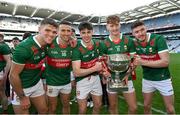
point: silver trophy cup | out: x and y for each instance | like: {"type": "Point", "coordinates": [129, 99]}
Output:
{"type": "Point", "coordinates": [118, 63]}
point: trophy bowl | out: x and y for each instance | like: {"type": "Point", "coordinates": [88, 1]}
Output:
{"type": "Point", "coordinates": [118, 63]}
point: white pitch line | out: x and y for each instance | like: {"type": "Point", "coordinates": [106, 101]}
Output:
{"type": "Point", "coordinates": [152, 108]}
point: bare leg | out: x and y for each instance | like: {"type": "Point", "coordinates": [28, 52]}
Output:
{"type": "Point", "coordinates": [169, 104]}
{"type": "Point", "coordinates": [17, 110]}
{"type": "Point", "coordinates": [82, 106]}
{"type": "Point", "coordinates": [113, 103]}
{"type": "Point", "coordinates": [40, 104]}
{"type": "Point", "coordinates": [52, 101]}
{"type": "Point", "coordinates": [131, 101]}
{"type": "Point", "coordinates": [147, 102]}
{"type": "Point", "coordinates": [65, 99]}
{"type": "Point", "coordinates": [97, 100]}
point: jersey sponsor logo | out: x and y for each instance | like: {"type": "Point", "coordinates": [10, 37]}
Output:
{"type": "Point", "coordinates": [86, 65]}
{"type": "Point", "coordinates": [137, 49]}
{"type": "Point", "coordinates": [59, 63]}
{"type": "Point", "coordinates": [110, 49]}
{"type": "Point", "coordinates": [34, 66]}
{"type": "Point", "coordinates": [91, 54]}
{"type": "Point", "coordinates": [150, 57]}
{"type": "Point", "coordinates": [54, 52]}
{"type": "Point", "coordinates": [37, 57]}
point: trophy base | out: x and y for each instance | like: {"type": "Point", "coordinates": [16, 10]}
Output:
{"type": "Point", "coordinates": [117, 87]}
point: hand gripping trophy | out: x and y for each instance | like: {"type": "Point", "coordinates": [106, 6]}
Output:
{"type": "Point", "coordinates": [120, 64]}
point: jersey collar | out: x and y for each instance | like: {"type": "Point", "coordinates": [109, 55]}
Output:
{"type": "Point", "coordinates": [148, 36]}
{"type": "Point", "coordinates": [87, 46]}
{"type": "Point", "coordinates": [119, 38]}
{"type": "Point", "coordinates": [34, 38]}
{"type": "Point", "coordinates": [61, 45]}
{"type": "Point", "coordinates": [57, 40]}
{"type": "Point", "coordinates": [82, 43]}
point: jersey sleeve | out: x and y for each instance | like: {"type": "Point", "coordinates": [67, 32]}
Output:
{"type": "Point", "coordinates": [161, 45]}
{"type": "Point", "coordinates": [5, 50]}
{"type": "Point", "coordinates": [76, 54]}
{"type": "Point", "coordinates": [132, 49]}
{"type": "Point", "coordinates": [21, 55]}
{"type": "Point", "coordinates": [102, 48]}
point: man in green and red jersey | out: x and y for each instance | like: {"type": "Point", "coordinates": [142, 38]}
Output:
{"type": "Point", "coordinates": [154, 59]}
{"type": "Point", "coordinates": [117, 43]}
{"type": "Point", "coordinates": [15, 42]}
{"type": "Point", "coordinates": [26, 68]}
{"type": "Point", "coordinates": [58, 68]}
{"type": "Point", "coordinates": [5, 63]}
{"type": "Point", "coordinates": [86, 67]}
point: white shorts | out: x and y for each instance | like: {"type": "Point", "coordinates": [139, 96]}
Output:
{"type": "Point", "coordinates": [53, 91]}
{"type": "Point", "coordinates": [130, 88]}
{"type": "Point", "coordinates": [88, 85]}
{"type": "Point", "coordinates": [164, 87]}
{"type": "Point", "coordinates": [33, 91]}
{"type": "Point", "coordinates": [1, 75]}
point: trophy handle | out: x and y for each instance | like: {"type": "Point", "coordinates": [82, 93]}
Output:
{"type": "Point", "coordinates": [129, 71]}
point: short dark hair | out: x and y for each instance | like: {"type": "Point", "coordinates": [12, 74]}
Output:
{"type": "Point", "coordinates": [65, 23]}
{"type": "Point", "coordinates": [26, 35]}
{"type": "Point", "coordinates": [73, 30]}
{"type": "Point", "coordinates": [112, 19]}
{"type": "Point", "coordinates": [85, 25]}
{"type": "Point", "coordinates": [1, 36]}
{"type": "Point", "coordinates": [136, 24]}
{"type": "Point", "coordinates": [15, 38]}
{"type": "Point", "coordinates": [49, 21]}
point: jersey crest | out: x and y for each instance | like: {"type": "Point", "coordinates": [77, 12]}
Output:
{"type": "Point", "coordinates": [152, 42]}
{"type": "Point", "coordinates": [34, 49]}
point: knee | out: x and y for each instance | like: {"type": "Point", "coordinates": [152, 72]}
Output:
{"type": "Point", "coordinates": [82, 110]}
{"type": "Point", "coordinates": [112, 105]}
{"type": "Point", "coordinates": [97, 106]}
{"type": "Point", "coordinates": [51, 109]}
{"type": "Point", "coordinates": [133, 109]}
{"type": "Point", "coordinates": [43, 110]}
{"type": "Point", "coordinates": [113, 109]}
{"type": "Point", "coordinates": [66, 105]}
{"type": "Point", "coordinates": [170, 110]}
{"type": "Point", "coordinates": [147, 106]}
